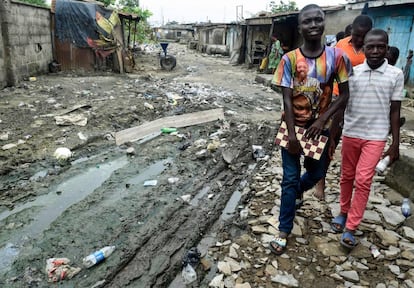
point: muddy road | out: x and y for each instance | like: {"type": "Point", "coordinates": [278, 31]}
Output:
{"type": "Point", "coordinates": [54, 210]}
{"type": "Point", "coordinates": [209, 191]}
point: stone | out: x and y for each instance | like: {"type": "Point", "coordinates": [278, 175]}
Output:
{"type": "Point", "coordinates": [408, 233]}
{"type": "Point", "coordinates": [287, 280]}
{"type": "Point", "coordinates": [408, 254]}
{"type": "Point", "coordinates": [331, 249]}
{"type": "Point", "coordinates": [405, 263]}
{"type": "Point", "coordinates": [224, 267]}
{"type": "Point", "coordinates": [233, 253]}
{"type": "Point", "coordinates": [351, 276]}
{"type": "Point", "coordinates": [392, 218]}
{"type": "Point", "coordinates": [242, 285]}
{"type": "Point", "coordinates": [388, 237]}
{"type": "Point", "coordinates": [372, 217]}
{"type": "Point", "coordinates": [392, 253]}
{"type": "Point", "coordinates": [270, 270]}
{"type": "Point", "coordinates": [394, 269]}
{"type": "Point", "coordinates": [217, 282]}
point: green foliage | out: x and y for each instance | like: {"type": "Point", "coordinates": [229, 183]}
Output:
{"type": "Point", "coordinates": [143, 31]}
{"type": "Point", "coordinates": [36, 2]}
{"type": "Point", "coordinates": [107, 2]}
{"type": "Point", "coordinates": [283, 6]}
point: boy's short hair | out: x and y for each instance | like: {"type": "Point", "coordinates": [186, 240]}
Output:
{"type": "Point", "coordinates": [362, 21]}
{"type": "Point", "coordinates": [392, 55]}
{"type": "Point", "coordinates": [309, 7]}
{"type": "Point", "coordinates": [377, 32]}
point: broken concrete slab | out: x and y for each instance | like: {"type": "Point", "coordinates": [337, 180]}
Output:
{"type": "Point", "coordinates": [139, 132]}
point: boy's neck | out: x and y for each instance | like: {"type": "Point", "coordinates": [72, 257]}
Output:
{"type": "Point", "coordinates": [312, 49]}
{"type": "Point", "coordinates": [375, 66]}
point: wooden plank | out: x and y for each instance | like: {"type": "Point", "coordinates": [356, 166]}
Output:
{"type": "Point", "coordinates": [146, 129]}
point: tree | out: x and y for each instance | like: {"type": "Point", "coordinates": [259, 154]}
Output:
{"type": "Point", "coordinates": [107, 2]}
{"type": "Point", "coordinates": [283, 6]}
{"type": "Point", "coordinates": [143, 31]}
{"type": "Point", "coordinates": [36, 2]}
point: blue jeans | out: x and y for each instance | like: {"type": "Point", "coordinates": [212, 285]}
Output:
{"type": "Point", "coordinates": [293, 184]}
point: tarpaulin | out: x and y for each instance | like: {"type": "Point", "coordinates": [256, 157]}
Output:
{"type": "Point", "coordinates": [76, 22]}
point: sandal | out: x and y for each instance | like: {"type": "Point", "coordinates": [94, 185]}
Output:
{"type": "Point", "coordinates": [278, 245]}
{"type": "Point", "coordinates": [338, 223]}
{"type": "Point", "coordinates": [348, 240]}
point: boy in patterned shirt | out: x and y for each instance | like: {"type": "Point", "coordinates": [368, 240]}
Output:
{"type": "Point", "coordinates": [324, 64]}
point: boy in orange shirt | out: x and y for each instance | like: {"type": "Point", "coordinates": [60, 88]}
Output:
{"type": "Point", "coordinates": [352, 46]}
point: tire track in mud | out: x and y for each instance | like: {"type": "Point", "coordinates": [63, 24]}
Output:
{"type": "Point", "coordinates": [157, 259]}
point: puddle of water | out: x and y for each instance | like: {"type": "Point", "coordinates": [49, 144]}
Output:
{"type": "Point", "coordinates": [39, 175]}
{"type": "Point", "coordinates": [149, 173]}
{"type": "Point", "coordinates": [199, 195]}
{"type": "Point", "coordinates": [231, 205]}
{"type": "Point", "coordinates": [54, 204]}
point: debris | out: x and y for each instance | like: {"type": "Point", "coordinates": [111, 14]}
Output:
{"type": "Point", "coordinates": [74, 119]}
{"type": "Point", "coordinates": [258, 152]}
{"type": "Point", "coordinates": [168, 130]}
{"type": "Point", "coordinates": [173, 180]}
{"type": "Point", "coordinates": [149, 106]}
{"type": "Point", "coordinates": [98, 256]}
{"type": "Point", "coordinates": [62, 154]}
{"type": "Point", "coordinates": [150, 183]}
{"type": "Point", "coordinates": [58, 269]}
{"type": "Point", "coordinates": [189, 274]}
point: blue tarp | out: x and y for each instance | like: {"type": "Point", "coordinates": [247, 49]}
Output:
{"type": "Point", "coordinates": [76, 21]}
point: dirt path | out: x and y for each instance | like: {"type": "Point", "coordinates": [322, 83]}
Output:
{"type": "Point", "coordinates": [49, 210]}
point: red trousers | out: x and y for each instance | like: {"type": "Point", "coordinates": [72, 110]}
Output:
{"type": "Point", "coordinates": [359, 158]}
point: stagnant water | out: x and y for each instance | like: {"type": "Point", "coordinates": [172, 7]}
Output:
{"type": "Point", "coordinates": [46, 208]}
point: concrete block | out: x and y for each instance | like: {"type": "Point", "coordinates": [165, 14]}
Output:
{"type": "Point", "coordinates": [400, 175]}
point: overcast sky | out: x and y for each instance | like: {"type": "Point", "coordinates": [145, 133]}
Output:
{"type": "Point", "coordinates": [188, 11]}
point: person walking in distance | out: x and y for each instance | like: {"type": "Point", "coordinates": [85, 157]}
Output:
{"type": "Point", "coordinates": [323, 63]}
{"type": "Point", "coordinates": [376, 91]}
{"type": "Point", "coordinates": [352, 46]}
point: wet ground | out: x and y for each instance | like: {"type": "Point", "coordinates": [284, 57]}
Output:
{"type": "Point", "coordinates": [205, 176]}
{"type": "Point", "coordinates": [52, 210]}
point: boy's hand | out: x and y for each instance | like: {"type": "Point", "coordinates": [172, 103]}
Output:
{"type": "Point", "coordinates": [331, 148]}
{"type": "Point", "coordinates": [394, 153]}
{"type": "Point", "coordinates": [315, 129]}
{"type": "Point", "coordinates": [294, 146]}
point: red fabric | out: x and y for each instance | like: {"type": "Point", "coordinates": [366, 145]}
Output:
{"type": "Point", "coordinates": [359, 158]}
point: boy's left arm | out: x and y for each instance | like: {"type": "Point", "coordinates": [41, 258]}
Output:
{"type": "Point", "coordinates": [394, 149]}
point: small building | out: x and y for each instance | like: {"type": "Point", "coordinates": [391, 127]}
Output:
{"type": "Point", "coordinates": [88, 36]}
{"type": "Point", "coordinates": [397, 19]}
{"type": "Point", "coordinates": [175, 32]}
{"type": "Point", "coordinates": [285, 26]}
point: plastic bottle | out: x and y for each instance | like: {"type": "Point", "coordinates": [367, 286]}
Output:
{"type": "Point", "coordinates": [98, 256]}
{"type": "Point", "coordinates": [405, 207]}
{"type": "Point", "coordinates": [189, 274]}
{"type": "Point", "coordinates": [168, 130]}
{"type": "Point", "coordinates": [382, 165]}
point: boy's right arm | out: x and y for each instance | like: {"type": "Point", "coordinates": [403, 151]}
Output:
{"type": "Point", "coordinates": [294, 145]}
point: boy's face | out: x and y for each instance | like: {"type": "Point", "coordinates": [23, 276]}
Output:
{"type": "Point", "coordinates": [375, 48]}
{"type": "Point", "coordinates": [312, 24]}
{"type": "Point", "coordinates": [358, 35]}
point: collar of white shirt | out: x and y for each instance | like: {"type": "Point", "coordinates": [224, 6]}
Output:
{"type": "Point", "coordinates": [380, 69]}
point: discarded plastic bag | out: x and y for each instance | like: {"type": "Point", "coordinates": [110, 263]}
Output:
{"type": "Point", "coordinates": [189, 274]}
{"type": "Point", "coordinates": [58, 269]}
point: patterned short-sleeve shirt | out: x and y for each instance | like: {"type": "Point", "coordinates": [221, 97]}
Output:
{"type": "Point", "coordinates": [331, 64]}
